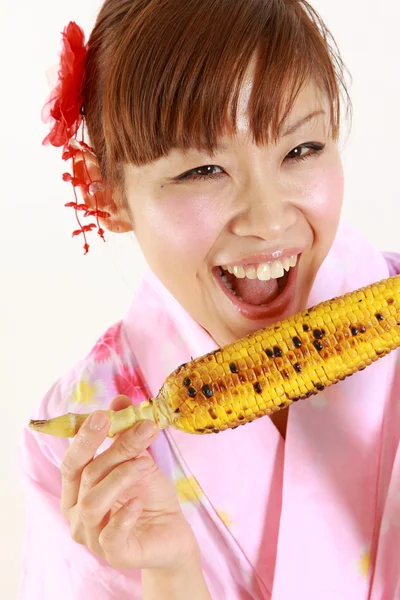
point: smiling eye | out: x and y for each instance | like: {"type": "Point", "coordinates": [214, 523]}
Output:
{"type": "Point", "coordinates": [205, 172]}
{"type": "Point", "coordinates": [299, 153]}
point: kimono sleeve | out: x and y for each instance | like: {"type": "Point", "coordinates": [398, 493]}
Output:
{"type": "Point", "coordinates": [53, 564]}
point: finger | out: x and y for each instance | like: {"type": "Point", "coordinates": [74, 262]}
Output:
{"type": "Point", "coordinates": [131, 444]}
{"type": "Point", "coordinates": [100, 500]}
{"type": "Point", "coordinates": [114, 537]}
{"type": "Point", "coordinates": [81, 451]}
{"type": "Point", "coordinates": [119, 403]}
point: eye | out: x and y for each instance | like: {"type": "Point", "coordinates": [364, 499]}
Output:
{"type": "Point", "coordinates": [205, 172]}
{"type": "Point", "coordinates": [305, 151]}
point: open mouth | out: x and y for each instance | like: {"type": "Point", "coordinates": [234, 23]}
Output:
{"type": "Point", "coordinates": [254, 291]}
{"type": "Point", "coordinates": [260, 292]}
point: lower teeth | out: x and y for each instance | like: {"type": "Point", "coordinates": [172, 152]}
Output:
{"type": "Point", "coordinates": [228, 284]}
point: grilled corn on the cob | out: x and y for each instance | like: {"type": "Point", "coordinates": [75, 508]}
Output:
{"type": "Point", "coordinates": [267, 370]}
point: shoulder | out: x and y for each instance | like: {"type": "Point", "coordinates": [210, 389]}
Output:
{"type": "Point", "coordinates": [393, 261]}
{"type": "Point", "coordinates": [350, 244]}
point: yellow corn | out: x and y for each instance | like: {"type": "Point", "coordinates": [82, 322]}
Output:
{"type": "Point", "coordinates": [267, 370]}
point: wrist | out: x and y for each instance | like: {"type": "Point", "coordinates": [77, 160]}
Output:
{"type": "Point", "coordinates": [177, 582]}
{"type": "Point", "coordinates": [189, 563]}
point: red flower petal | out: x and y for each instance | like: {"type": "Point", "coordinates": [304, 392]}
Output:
{"type": "Point", "coordinates": [89, 227]}
{"type": "Point", "coordinates": [130, 382]}
{"type": "Point", "coordinates": [64, 105]}
{"type": "Point", "coordinates": [109, 344]}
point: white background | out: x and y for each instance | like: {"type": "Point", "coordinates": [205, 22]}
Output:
{"type": "Point", "coordinates": [54, 302]}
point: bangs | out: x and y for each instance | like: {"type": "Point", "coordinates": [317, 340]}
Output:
{"type": "Point", "coordinates": [173, 78]}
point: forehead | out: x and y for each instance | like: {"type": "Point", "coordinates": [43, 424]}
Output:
{"type": "Point", "coordinates": [309, 99]}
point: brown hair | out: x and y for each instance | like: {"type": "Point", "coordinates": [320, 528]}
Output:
{"type": "Point", "coordinates": [165, 74]}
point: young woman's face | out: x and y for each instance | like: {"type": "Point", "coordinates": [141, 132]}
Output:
{"type": "Point", "coordinates": [248, 208]}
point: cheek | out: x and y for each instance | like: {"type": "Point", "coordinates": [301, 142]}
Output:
{"type": "Point", "coordinates": [325, 197]}
{"type": "Point", "coordinates": [180, 228]}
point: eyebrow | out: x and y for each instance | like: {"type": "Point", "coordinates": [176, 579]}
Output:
{"type": "Point", "coordinates": [302, 121]}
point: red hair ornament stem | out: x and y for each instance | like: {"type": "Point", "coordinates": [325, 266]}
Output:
{"type": "Point", "coordinates": [65, 112]}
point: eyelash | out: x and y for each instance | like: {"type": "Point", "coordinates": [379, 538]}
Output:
{"type": "Point", "coordinates": [193, 176]}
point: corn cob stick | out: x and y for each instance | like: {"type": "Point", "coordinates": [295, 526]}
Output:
{"type": "Point", "coordinates": [267, 370]}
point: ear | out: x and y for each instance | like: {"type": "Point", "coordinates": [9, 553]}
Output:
{"type": "Point", "coordinates": [86, 168]}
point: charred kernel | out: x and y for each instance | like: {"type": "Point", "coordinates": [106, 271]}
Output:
{"type": "Point", "coordinates": [241, 417]}
{"type": "Point", "coordinates": [354, 331]}
{"type": "Point", "coordinates": [318, 346]}
{"type": "Point", "coordinates": [207, 391]}
{"type": "Point", "coordinates": [390, 301]}
{"type": "Point", "coordinates": [296, 399]}
{"type": "Point", "coordinates": [177, 410]}
{"type": "Point", "coordinates": [212, 413]}
{"type": "Point", "coordinates": [297, 368]}
{"type": "Point", "coordinates": [192, 392]}
{"type": "Point", "coordinates": [233, 368]}
{"type": "Point", "coordinates": [258, 388]}
{"type": "Point", "coordinates": [362, 329]}
{"type": "Point", "coordinates": [200, 430]}
{"type": "Point", "coordinates": [318, 334]}
{"type": "Point", "coordinates": [297, 342]}
{"type": "Point", "coordinates": [379, 316]}
{"type": "Point", "coordinates": [306, 328]}
{"type": "Point", "coordinates": [319, 387]}
{"type": "Point", "coordinates": [277, 351]}
{"type": "Point", "coordinates": [269, 353]}
{"type": "Point", "coordinates": [323, 331]}
{"type": "Point", "coordinates": [216, 430]}
{"type": "Point", "coordinates": [282, 405]}
{"type": "Point", "coordinates": [285, 374]}
{"type": "Point", "coordinates": [229, 411]}
{"type": "Point", "coordinates": [186, 382]}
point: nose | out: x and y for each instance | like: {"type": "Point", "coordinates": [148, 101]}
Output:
{"type": "Point", "coordinates": [263, 212]}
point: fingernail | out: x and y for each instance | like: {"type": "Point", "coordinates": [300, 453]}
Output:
{"type": "Point", "coordinates": [145, 430]}
{"type": "Point", "coordinates": [97, 421]}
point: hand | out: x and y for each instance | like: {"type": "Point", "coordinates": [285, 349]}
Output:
{"type": "Point", "coordinates": [119, 504]}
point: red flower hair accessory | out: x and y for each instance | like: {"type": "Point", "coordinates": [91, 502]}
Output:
{"type": "Point", "coordinates": [64, 110]}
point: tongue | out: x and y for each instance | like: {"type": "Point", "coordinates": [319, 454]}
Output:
{"type": "Point", "coordinates": [254, 291]}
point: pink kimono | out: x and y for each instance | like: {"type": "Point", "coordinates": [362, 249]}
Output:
{"type": "Point", "coordinates": [315, 517]}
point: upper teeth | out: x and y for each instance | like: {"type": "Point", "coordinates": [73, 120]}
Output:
{"type": "Point", "coordinates": [264, 271]}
